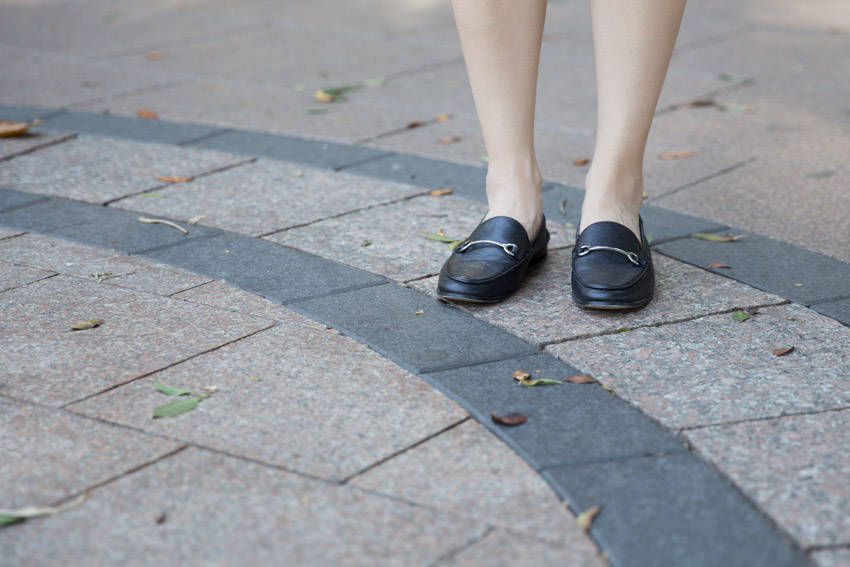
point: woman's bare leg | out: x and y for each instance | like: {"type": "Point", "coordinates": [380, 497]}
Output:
{"type": "Point", "coordinates": [501, 47]}
{"type": "Point", "coordinates": [633, 43]}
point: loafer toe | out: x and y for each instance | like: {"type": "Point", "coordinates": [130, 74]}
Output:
{"type": "Point", "coordinates": [611, 269]}
{"type": "Point", "coordinates": [491, 264]}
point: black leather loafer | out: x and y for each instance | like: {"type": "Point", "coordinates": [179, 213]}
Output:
{"type": "Point", "coordinates": [611, 269]}
{"type": "Point", "coordinates": [490, 265]}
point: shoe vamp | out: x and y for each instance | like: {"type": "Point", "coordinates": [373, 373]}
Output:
{"type": "Point", "coordinates": [607, 273]}
{"type": "Point", "coordinates": [479, 265]}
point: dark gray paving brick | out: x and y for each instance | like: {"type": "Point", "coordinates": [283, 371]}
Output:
{"type": "Point", "coordinates": [44, 214]}
{"type": "Point", "coordinates": [132, 128]}
{"type": "Point", "coordinates": [276, 272]}
{"type": "Point", "coordinates": [311, 152]}
{"type": "Point", "coordinates": [664, 224]}
{"type": "Point", "coordinates": [838, 310]}
{"type": "Point", "coordinates": [385, 317]}
{"type": "Point", "coordinates": [123, 231]}
{"type": "Point", "coordinates": [24, 113]}
{"type": "Point", "coordinates": [10, 199]}
{"type": "Point", "coordinates": [768, 264]}
{"type": "Point", "coordinates": [466, 180]}
{"type": "Point", "coordinates": [553, 198]}
{"type": "Point", "coordinates": [570, 424]}
{"type": "Point", "coordinates": [672, 510]}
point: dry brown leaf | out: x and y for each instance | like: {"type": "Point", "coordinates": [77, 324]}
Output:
{"type": "Point", "coordinates": [174, 178]}
{"type": "Point", "coordinates": [322, 96]}
{"type": "Point", "coordinates": [147, 113]}
{"type": "Point", "coordinates": [165, 222]}
{"type": "Point", "coordinates": [440, 232]}
{"type": "Point", "coordinates": [449, 139]}
{"type": "Point", "coordinates": [582, 379]}
{"type": "Point", "coordinates": [585, 519]}
{"type": "Point", "coordinates": [156, 55]}
{"type": "Point", "coordinates": [415, 123]}
{"type": "Point", "coordinates": [783, 351]}
{"type": "Point", "coordinates": [521, 375]}
{"type": "Point", "coordinates": [719, 265]}
{"type": "Point", "coordinates": [196, 219]}
{"type": "Point", "coordinates": [581, 161]}
{"type": "Point", "coordinates": [440, 193]}
{"type": "Point", "coordinates": [678, 154]}
{"type": "Point", "coordinates": [509, 418]}
{"type": "Point", "coordinates": [9, 128]}
{"type": "Point", "coordinates": [443, 117]}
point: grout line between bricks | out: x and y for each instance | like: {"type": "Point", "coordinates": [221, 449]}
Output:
{"type": "Point", "coordinates": [345, 213]}
{"type": "Point", "coordinates": [555, 342]}
{"type": "Point", "coordinates": [47, 144]}
{"type": "Point", "coordinates": [167, 185]}
{"type": "Point", "coordinates": [684, 430]}
{"type": "Point", "coordinates": [453, 553]}
{"type": "Point", "coordinates": [696, 182]}
{"type": "Point", "coordinates": [403, 450]}
{"type": "Point", "coordinates": [167, 366]}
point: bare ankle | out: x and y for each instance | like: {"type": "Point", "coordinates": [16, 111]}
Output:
{"type": "Point", "coordinates": [516, 194]}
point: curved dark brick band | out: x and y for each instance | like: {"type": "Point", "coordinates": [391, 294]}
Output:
{"type": "Point", "coordinates": [663, 505]}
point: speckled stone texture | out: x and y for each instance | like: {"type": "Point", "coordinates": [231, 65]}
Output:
{"type": "Point", "coordinates": [89, 262]}
{"type": "Point", "coordinates": [543, 312]}
{"type": "Point", "coordinates": [44, 361]}
{"type": "Point", "coordinates": [399, 248]}
{"type": "Point", "coordinates": [9, 233]}
{"type": "Point", "coordinates": [329, 410]}
{"type": "Point", "coordinates": [466, 471]}
{"type": "Point", "coordinates": [793, 191]}
{"type": "Point", "coordinates": [10, 147]}
{"type": "Point", "coordinates": [97, 169]}
{"type": "Point", "coordinates": [221, 296]}
{"type": "Point", "coordinates": [269, 195]}
{"type": "Point", "coordinates": [832, 557]}
{"type": "Point", "coordinates": [217, 510]}
{"type": "Point", "coordinates": [52, 455]}
{"type": "Point", "coordinates": [12, 275]}
{"type": "Point", "coordinates": [714, 369]}
{"type": "Point", "coordinates": [504, 549]}
{"type": "Point", "coordinates": [794, 468]}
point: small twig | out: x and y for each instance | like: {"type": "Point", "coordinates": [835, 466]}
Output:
{"type": "Point", "coordinates": [166, 222]}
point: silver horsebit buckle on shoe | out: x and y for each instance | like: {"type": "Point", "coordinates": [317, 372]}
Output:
{"type": "Point", "coordinates": [633, 258]}
{"type": "Point", "coordinates": [509, 247]}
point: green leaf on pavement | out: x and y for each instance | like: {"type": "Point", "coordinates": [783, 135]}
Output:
{"type": "Point", "coordinates": [374, 82]}
{"type": "Point", "coordinates": [177, 407]}
{"type": "Point", "coordinates": [719, 237]}
{"type": "Point", "coordinates": [9, 520]}
{"type": "Point", "coordinates": [313, 110]}
{"type": "Point", "coordinates": [740, 316]}
{"type": "Point", "coordinates": [441, 238]}
{"type": "Point", "coordinates": [170, 390]}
